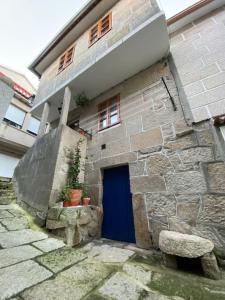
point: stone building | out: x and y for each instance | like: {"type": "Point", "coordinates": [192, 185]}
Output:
{"type": "Point", "coordinates": [18, 128]}
{"type": "Point", "coordinates": [146, 122]}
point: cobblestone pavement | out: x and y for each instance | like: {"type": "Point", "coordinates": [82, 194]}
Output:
{"type": "Point", "coordinates": [36, 266]}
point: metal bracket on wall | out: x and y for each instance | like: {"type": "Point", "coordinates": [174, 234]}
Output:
{"type": "Point", "coordinates": [171, 98]}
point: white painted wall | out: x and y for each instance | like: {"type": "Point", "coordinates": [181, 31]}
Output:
{"type": "Point", "coordinates": [7, 165]}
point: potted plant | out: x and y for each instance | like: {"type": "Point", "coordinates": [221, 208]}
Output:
{"type": "Point", "coordinates": [74, 186]}
{"type": "Point", "coordinates": [82, 100]}
{"type": "Point", "coordinates": [65, 197]}
{"type": "Point", "coordinates": [86, 198]}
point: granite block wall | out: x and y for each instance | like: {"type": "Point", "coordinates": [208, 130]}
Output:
{"type": "Point", "coordinates": [198, 52]}
{"type": "Point", "coordinates": [6, 94]}
{"type": "Point", "coordinates": [176, 170]}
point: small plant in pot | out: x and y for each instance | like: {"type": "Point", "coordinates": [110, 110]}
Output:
{"type": "Point", "coordinates": [75, 188]}
{"type": "Point", "coordinates": [65, 197]}
{"type": "Point", "coordinates": [86, 198]}
{"type": "Point", "coordinates": [82, 100]}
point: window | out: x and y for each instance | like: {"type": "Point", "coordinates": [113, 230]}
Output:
{"type": "Point", "coordinates": [66, 59]}
{"type": "Point", "coordinates": [14, 116]}
{"type": "Point", "coordinates": [103, 26]}
{"type": "Point", "coordinates": [109, 113]}
{"type": "Point", "coordinates": [33, 126]}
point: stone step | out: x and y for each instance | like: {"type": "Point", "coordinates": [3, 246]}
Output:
{"type": "Point", "coordinates": [6, 185]}
{"type": "Point", "coordinates": [6, 200]}
{"type": "Point", "coordinates": [6, 192]}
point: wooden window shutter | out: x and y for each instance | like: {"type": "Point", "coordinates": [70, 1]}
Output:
{"type": "Point", "coordinates": [100, 29]}
{"type": "Point", "coordinates": [66, 59]}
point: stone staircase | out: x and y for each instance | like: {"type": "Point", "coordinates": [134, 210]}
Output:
{"type": "Point", "coordinates": [7, 195]}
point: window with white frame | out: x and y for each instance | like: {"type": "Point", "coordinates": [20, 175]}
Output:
{"type": "Point", "coordinates": [15, 116]}
{"type": "Point", "coordinates": [33, 126]}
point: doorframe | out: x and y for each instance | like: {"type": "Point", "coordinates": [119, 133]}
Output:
{"type": "Point", "coordinates": [141, 224]}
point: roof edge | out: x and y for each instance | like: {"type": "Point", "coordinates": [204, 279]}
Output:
{"type": "Point", "coordinates": [188, 11]}
{"type": "Point", "coordinates": [89, 6]}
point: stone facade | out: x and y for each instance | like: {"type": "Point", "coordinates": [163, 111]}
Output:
{"type": "Point", "coordinates": [201, 46]}
{"type": "Point", "coordinates": [127, 16]}
{"type": "Point", "coordinates": [176, 172]}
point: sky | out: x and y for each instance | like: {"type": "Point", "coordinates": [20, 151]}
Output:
{"type": "Point", "coordinates": [27, 26]}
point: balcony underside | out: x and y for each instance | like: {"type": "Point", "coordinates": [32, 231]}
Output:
{"type": "Point", "coordinates": [139, 50]}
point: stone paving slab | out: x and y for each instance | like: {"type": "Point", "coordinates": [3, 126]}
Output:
{"type": "Point", "coordinates": [121, 285]}
{"type": "Point", "coordinates": [17, 238]}
{"type": "Point", "coordinates": [15, 255]}
{"type": "Point", "coordinates": [17, 278]}
{"type": "Point", "coordinates": [108, 254]}
{"type": "Point", "coordinates": [138, 272]}
{"type": "Point", "coordinates": [48, 245]}
{"type": "Point", "coordinates": [15, 223]}
{"type": "Point", "coordinates": [5, 207]}
{"type": "Point", "coordinates": [61, 258]}
{"type": "Point", "coordinates": [74, 283]}
{"type": "Point", "coordinates": [5, 214]}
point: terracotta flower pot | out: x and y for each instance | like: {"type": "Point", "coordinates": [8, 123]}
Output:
{"type": "Point", "coordinates": [66, 203]}
{"type": "Point", "coordinates": [74, 202]}
{"type": "Point", "coordinates": [86, 201]}
{"type": "Point", "coordinates": [75, 196]}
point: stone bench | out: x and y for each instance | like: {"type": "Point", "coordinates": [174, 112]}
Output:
{"type": "Point", "coordinates": [174, 244]}
{"type": "Point", "coordinates": [78, 224]}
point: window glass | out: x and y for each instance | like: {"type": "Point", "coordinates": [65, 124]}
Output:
{"type": "Point", "coordinates": [109, 113]}
{"type": "Point", "coordinates": [33, 125]}
{"type": "Point", "coordinates": [15, 115]}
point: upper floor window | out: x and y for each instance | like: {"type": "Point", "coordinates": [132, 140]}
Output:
{"type": "Point", "coordinates": [33, 126]}
{"type": "Point", "coordinates": [103, 26]}
{"type": "Point", "coordinates": [109, 113]}
{"type": "Point", "coordinates": [66, 59]}
{"type": "Point", "coordinates": [15, 116]}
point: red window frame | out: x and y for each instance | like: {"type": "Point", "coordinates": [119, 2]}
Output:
{"type": "Point", "coordinates": [102, 27]}
{"type": "Point", "coordinates": [104, 108]}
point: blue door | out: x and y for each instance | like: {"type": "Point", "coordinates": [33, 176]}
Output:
{"type": "Point", "coordinates": [118, 221]}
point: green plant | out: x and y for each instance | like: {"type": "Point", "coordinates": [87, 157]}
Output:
{"type": "Point", "coordinates": [82, 100]}
{"type": "Point", "coordinates": [85, 192]}
{"type": "Point", "coordinates": [75, 168]}
{"type": "Point", "coordinates": [64, 196]}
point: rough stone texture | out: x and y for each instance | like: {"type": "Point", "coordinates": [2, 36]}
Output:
{"type": "Point", "coordinates": [15, 255]}
{"type": "Point", "coordinates": [142, 233]}
{"type": "Point", "coordinates": [145, 184]}
{"type": "Point", "coordinates": [49, 244]}
{"type": "Point", "coordinates": [28, 272]}
{"type": "Point", "coordinates": [5, 214]}
{"type": "Point", "coordinates": [17, 238]}
{"type": "Point", "coordinates": [198, 154]}
{"type": "Point", "coordinates": [146, 139]}
{"type": "Point", "coordinates": [120, 284]}
{"type": "Point", "coordinates": [60, 259]}
{"type": "Point", "coordinates": [80, 223]}
{"type": "Point", "coordinates": [2, 228]}
{"type": "Point", "coordinates": [184, 245]}
{"type": "Point", "coordinates": [161, 204]}
{"type": "Point", "coordinates": [158, 164]}
{"type": "Point", "coordinates": [138, 273]}
{"type": "Point", "coordinates": [73, 283]}
{"type": "Point", "coordinates": [15, 223]}
{"type": "Point", "coordinates": [215, 176]}
{"type": "Point", "coordinates": [212, 210]}
{"type": "Point", "coordinates": [210, 267]}
{"type": "Point", "coordinates": [108, 254]}
{"type": "Point", "coordinates": [186, 183]}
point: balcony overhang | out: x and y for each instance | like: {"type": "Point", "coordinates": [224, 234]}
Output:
{"type": "Point", "coordinates": [143, 47]}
